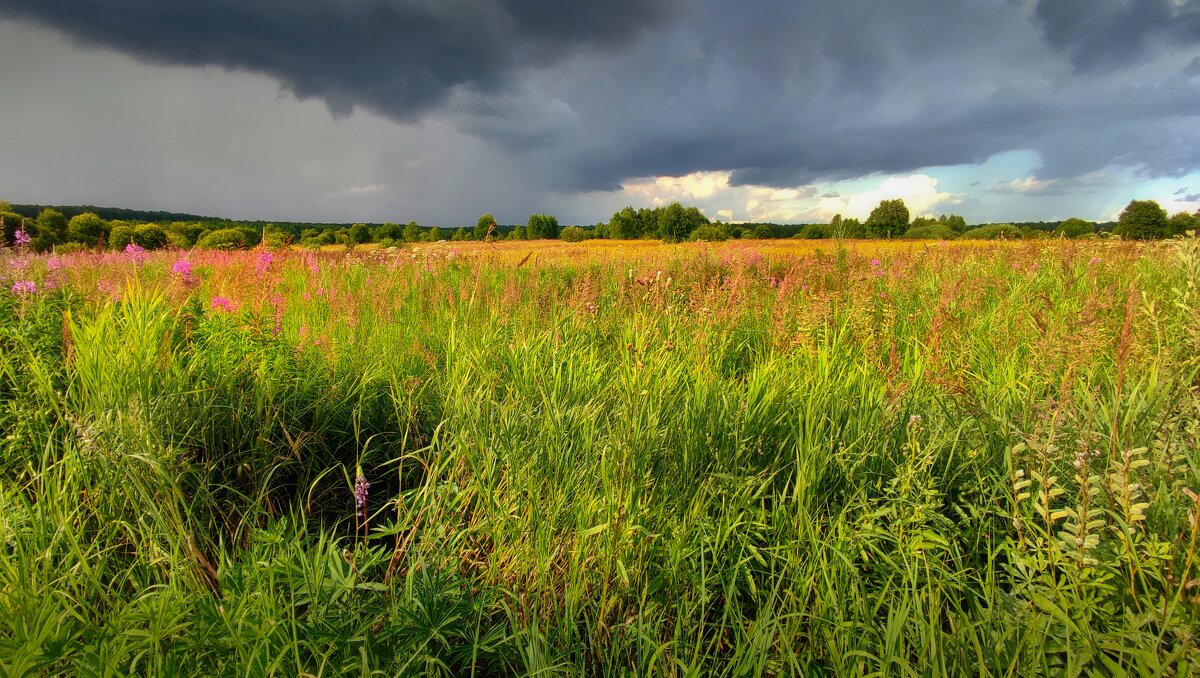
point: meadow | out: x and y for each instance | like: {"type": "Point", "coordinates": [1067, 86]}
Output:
{"type": "Point", "coordinates": [602, 458]}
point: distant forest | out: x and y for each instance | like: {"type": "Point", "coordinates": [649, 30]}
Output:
{"type": "Point", "coordinates": [67, 227]}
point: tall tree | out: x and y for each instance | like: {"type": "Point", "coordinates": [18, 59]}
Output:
{"type": "Point", "coordinates": [623, 225]}
{"type": "Point", "coordinates": [889, 219]}
{"type": "Point", "coordinates": [1143, 220]}
{"type": "Point", "coordinates": [486, 225]}
{"type": "Point", "coordinates": [541, 226]}
{"type": "Point", "coordinates": [358, 234]}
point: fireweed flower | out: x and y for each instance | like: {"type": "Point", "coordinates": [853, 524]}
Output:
{"type": "Point", "coordinates": [1094, 261]}
{"type": "Point", "coordinates": [21, 238]}
{"type": "Point", "coordinates": [136, 253]}
{"type": "Point", "coordinates": [24, 287]}
{"type": "Point", "coordinates": [360, 493]}
{"type": "Point", "coordinates": [54, 263]}
{"type": "Point", "coordinates": [183, 269]}
{"type": "Point", "coordinates": [262, 263]}
{"type": "Point", "coordinates": [221, 304]}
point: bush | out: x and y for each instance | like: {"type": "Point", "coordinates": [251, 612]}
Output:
{"type": "Point", "coordinates": [707, 234]}
{"type": "Point", "coordinates": [120, 236]}
{"type": "Point", "coordinates": [993, 232]}
{"type": "Point", "coordinates": [930, 232]}
{"type": "Point", "coordinates": [813, 232]}
{"type": "Point", "coordinates": [224, 239]}
{"type": "Point", "coordinates": [1075, 228]}
{"type": "Point", "coordinates": [573, 234]}
{"type": "Point", "coordinates": [70, 248]}
{"type": "Point", "coordinates": [277, 240]}
{"type": "Point", "coordinates": [150, 236]}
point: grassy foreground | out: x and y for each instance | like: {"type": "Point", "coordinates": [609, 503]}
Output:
{"type": "Point", "coordinates": [657, 460]}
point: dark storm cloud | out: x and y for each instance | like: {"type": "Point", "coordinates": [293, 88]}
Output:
{"type": "Point", "coordinates": [1105, 34]}
{"type": "Point", "coordinates": [585, 95]}
{"type": "Point", "coordinates": [395, 57]}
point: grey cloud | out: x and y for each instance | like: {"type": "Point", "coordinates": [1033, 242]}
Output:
{"type": "Point", "coordinates": [399, 58]}
{"type": "Point", "coordinates": [579, 96]}
{"type": "Point", "coordinates": [1192, 197]}
{"type": "Point", "coordinates": [1106, 34]}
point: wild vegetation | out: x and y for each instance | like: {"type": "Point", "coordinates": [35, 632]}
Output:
{"type": "Point", "coordinates": [50, 229]}
{"type": "Point", "coordinates": [603, 458]}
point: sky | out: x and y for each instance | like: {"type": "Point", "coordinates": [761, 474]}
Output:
{"type": "Point", "coordinates": [437, 111]}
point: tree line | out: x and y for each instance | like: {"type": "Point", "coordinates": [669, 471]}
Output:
{"type": "Point", "coordinates": [51, 229]}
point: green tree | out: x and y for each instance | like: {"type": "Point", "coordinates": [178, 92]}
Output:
{"type": "Point", "coordinates": [541, 226]}
{"type": "Point", "coordinates": [434, 234]}
{"type": "Point", "coordinates": [573, 234]}
{"type": "Point", "coordinates": [230, 239]}
{"type": "Point", "coordinates": [387, 230]}
{"type": "Point", "coordinates": [992, 232]}
{"type": "Point", "coordinates": [120, 235]}
{"type": "Point", "coordinates": [50, 229]}
{"type": "Point", "coordinates": [954, 222]}
{"type": "Point", "coordinates": [623, 225]}
{"type": "Point", "coordinates": [929, 230]}
{"type": "Point", "coordinates": [813, 232]}
{"type": "Point", "coordinates": [10, 223]}
{"type": "Point", "coordinates": [708, 234]}
{"type": "Point", "coordinates": [1075, 228]}
{"type": "Point", "coordinates": [1182, 222]}
{"type": "Point", "coordinates": [412, 232]}
{"type": "Point", "coordinates": [1143, 220]}
{"type": "Point", "coordinates": [676, 222]}
{"type": "Point", "coordinates": [150, 236]}
{"type": "Point", "coordinates": [518, 233]}
{"type": "Point", "coordinates": [184, 234]}
{"type": "Point", "coordinates": [485, 226]}
{"type": "Point", "coordinates": [88, 229]}
{"type": "Point", "coordinates": [358, 234]}
{"type": "Point", "coordinates": [888, 220]}
{"type": "Point", "coordinates": [841, 227]}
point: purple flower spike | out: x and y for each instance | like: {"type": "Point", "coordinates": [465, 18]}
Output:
{"type": "Point", "coordinates": [360, 493]}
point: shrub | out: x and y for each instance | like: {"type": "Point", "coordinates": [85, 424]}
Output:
{"type": "Point", "coordinates": [813, 232]}
{"type": "Point", "coordinates": [993, 232]}
{"type": "Point", "coordinates": [573, 234]}
{"type": "Point", "coordinates": [933, 231]}
{"type": "Point", "coordinates": [70, 248]}
{"type": "Point", "coordinates": [150, 236]}
{"type": "Point", "coordinates": [224, 239]}
{"type": "Point", "coordinates": [707, 234]}
{"type": "Point", "coordinates": [120, 236]}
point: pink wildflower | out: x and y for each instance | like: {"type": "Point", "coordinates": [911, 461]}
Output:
{"type": "Point", "coordinates": [221, 304]}
{"type": "Point", "coordinates": [136, 252]}
{"type": "Point", "coordinates": [262, 263]}
{"type": "Point", "coordinates": [24, 287]}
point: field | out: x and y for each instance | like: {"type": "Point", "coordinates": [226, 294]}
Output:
{"type": "Point", "coordinates": [753, 458]}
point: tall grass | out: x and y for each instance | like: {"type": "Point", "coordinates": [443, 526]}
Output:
{"type": "Point", "coordinates": [909, 460]}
